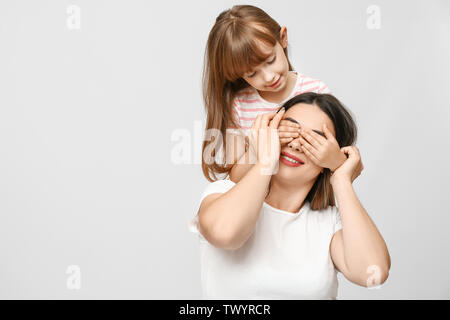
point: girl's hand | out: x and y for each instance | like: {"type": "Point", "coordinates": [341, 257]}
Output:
{"type": "Point", "coordinates": [351, 168]}
{"type": "Point", "coordinates": [323, 151]}
{"type": "Point", "coordinates": [288, 131]}
{"type": "Point", "coordinates": [264, 142]}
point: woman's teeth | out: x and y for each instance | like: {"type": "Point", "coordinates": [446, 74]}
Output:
{"type": "Point", "coordinates": [289, 159]}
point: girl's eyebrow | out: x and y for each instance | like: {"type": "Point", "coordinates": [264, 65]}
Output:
{"type": "Point", "coordinates": [316, 131]}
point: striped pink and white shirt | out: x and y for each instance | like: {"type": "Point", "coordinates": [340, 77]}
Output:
{"type": "Point", "coordinates": [248, 104]}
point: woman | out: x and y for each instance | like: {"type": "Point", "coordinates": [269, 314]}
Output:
{"type": "Point", "coordinates": [277, 234]}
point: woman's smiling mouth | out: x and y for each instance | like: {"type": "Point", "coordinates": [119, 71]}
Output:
{"type": "Point", "coordinates": [290, 160]}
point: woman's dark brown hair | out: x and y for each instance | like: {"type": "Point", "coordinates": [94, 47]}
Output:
{"type": "Point", "coordinates": [321, 194]}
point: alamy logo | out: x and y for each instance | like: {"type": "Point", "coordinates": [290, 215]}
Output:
{"type": "Point", "coordinates": [374, 20]}
{"type": "Point", "coordinates": [74, 279]}
{"type": "Point", "coordinates": [74, 17]}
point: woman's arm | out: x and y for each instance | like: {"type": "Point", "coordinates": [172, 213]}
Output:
{"type": "Point", "coordinates": [363, 247]}
{"type": "Point", "coordinates": [228, 220]}
{"type": "Point", "coordinates": [360, 250]}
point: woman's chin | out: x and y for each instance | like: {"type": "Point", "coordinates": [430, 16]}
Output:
{"type": "Point", "coordinates": [287, 173]}
{"type": "Point", "coordinates": [300, 174]}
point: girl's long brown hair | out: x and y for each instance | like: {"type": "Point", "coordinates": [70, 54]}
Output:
{"type": "Point", "coordinates": [233, 48]}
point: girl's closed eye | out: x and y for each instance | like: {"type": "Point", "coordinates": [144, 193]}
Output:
{"type": "Point", "coordinates": [273, 60]}
{"type": "Point", "coordinates": [270, 62]}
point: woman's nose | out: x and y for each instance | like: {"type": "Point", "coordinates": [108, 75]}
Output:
{"type": "Point", "coordinates": [295, 145]}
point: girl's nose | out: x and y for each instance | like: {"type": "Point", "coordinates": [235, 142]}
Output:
{"type": "Point", "coordinates": [269, 77]}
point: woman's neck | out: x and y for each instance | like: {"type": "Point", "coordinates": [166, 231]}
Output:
{"type": "Point", "coordinates": [287, 197]}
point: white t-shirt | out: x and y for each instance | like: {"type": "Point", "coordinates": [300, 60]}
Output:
{"type": "Point", "coordinates": [286, 257]}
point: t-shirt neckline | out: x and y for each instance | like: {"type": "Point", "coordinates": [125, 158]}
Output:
{"type": "Point", "coordinates": [301, 211]}
{"type": "Point", "coordinates": [288, 97]}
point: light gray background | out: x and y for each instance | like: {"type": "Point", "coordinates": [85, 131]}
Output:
{"type": "Point", "coordinates": [87, 116]}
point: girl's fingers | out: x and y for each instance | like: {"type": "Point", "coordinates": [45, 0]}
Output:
{"type": "Point", "coordinates": [321, 139]}
{"type": "Point", "coordinates": [285, 140]}
{"type": "Point", "coordinates": [289, 124]}
{"type": "Point", "coordinates": [306, 149]}
{"type": "Point", "coordinates": [306, 143]}
{"type": "Point", "coordinates": [266, 118]}
{"type": "Point", "coordinates": [276, 119]}
{"type": "Point", "coordinates": [254, 132]}
{"type": "Point", "coordinates": [313, 141]}
{"type": "Point", "coordinates": [288, 134]}
{"type": "Point", "coordinates": [328, 133]}
{"type": "Point", "coordinates": [257, 122]}
{"type": "Point", "coordinates": [283, 127]}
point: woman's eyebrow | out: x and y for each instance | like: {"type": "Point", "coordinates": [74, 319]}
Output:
{"type": "Point", "coordinates": [290, 119]}
{"type": "Point", "coordinates": [316, 131]}
{"type": "Point", "coordinates": [319, 132]}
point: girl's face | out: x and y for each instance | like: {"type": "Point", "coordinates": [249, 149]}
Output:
{"type": "Point", "coordinates": [307, 116]}
{"type": "Point", "coordinates": [274, 70]}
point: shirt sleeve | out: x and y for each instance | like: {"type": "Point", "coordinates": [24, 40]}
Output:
{"type": "Point", "coordinates": [323, 88]}
{"type": "Point", "coordinates": [219, 186]}
{"type": "Point", "coordinates": [337, 220]}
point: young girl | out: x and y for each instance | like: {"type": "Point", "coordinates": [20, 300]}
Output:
{"type": "Point", "coordinates": [247, 73]}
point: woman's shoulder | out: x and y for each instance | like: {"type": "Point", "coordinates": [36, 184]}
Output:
{"type": "Point", "coordinates": [221, 183]}
{"type": "Point", "coordinates": [218, 186]}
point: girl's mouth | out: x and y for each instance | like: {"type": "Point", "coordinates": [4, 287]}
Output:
{"type": "Point", "coordinates": [276, 83]}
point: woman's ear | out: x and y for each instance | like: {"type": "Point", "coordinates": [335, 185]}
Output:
{"type": "Point", "coordinates": [283, 37]}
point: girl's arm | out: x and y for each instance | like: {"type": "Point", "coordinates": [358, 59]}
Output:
{"type": "Point", "coordinates": [237, 154]}
{"type": "Point", "coordinates": [240, 168]}
{"type": "Point", "coordinates": [228, 220]}
{"type": "Point", "coordinates": [360, 250]}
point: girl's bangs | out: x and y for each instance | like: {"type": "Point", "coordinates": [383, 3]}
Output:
{"type": "Point", "coordinates": [245, 53]}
